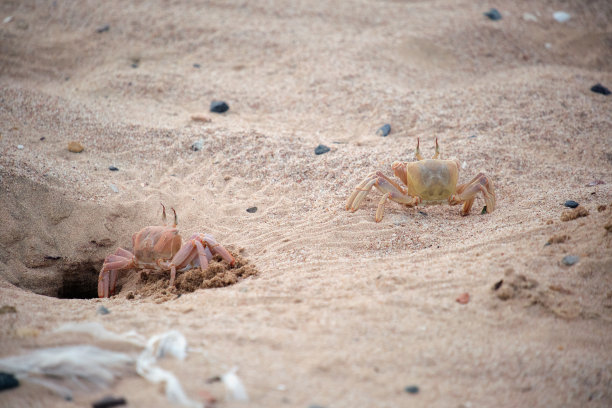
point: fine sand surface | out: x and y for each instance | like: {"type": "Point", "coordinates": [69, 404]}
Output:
{"type": "Point", "coordinates": [332, 308]}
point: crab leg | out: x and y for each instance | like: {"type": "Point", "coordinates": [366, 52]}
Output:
{"type": "Point", "coordinates": [202, 255]}
{"type": "Point", "coordinates": [180, 259]}
{"type": "Point", "coordinates": [391, 190]}
{"type": "Point", "coordinates": [466, 193]}
{"type": "Point", "coordinates": [121, 259]}
{"type": "Point", "coordinates": [217, 248]}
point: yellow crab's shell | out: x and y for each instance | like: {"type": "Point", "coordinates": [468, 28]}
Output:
{"type": "Point", "coordinates": [433, 180]}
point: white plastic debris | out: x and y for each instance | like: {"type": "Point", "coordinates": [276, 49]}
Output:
{"type": "Point", "coordinates": [20, 147]}
{"type": "Point", "coordinates": [114, 188]}
{"type": "Point", "coordinates": [82, 366]}
{"type": "Point", "coordinates": [170, 343]}
{"type": "Point", "coordinates": [7, 19]}
{"type": "Point", "coordinates": [234, 387]}
{"type": "Point", "coordinates": [98, 331]}
{"type": "Point", "coordinates": [561, 16]}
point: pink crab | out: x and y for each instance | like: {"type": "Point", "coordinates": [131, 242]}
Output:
{"type": "Point", "coordinates": [160, 248]}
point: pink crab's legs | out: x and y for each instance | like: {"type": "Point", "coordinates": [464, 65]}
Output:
{"type": "Point", "coordinates": [217, 248]}
{"type": "Point", "coordinates": [121, 259]}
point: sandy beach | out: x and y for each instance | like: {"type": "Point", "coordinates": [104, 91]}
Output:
{"type": "Point", "coordinates": [326, 308]}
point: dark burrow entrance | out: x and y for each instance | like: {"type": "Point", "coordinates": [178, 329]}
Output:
{"type": "Point", "coordinates": [80, 280]}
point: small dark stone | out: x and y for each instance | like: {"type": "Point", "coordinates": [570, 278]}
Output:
{"type": "Point", "coordinates": [321, 149]}
{"type": "Point", "coordinates": [134, 65]}
{"type": "Point", "coordinates": [197, 145]}
{"type": "Point", "coordinates": [8, 381]}
{"type": "Point", "coordinates": [218, 107]}
{"type": "Point", "coordinates": [251, 209]}
{"type": "Point", "coordinates": [113, 168]}
{"type": "Point", "coordinates": [569, 260]}
{"type": "Point", "coordinates": [315, 406]}
{"type": "Point", "coordinates": [472, 137]}
{"type": "Point", "coordinates": [108, 402]}
{"type": "Point", "coordinates": [571, 204]}
{"type": "Point", "coordinates": [493, 14]}
{"type": "Point", "coordinates": [42, 138]}
{"type": "Point", "coordinates": [103, 29]}
{"type": "Point", "coordinates": [103, 311]}
{"type": "Point", "coordinates": [196, 65]}
{"type": "Point", "coordinates": [412, 389]}
{"type": "Point", "coordinates": [384, 130]}
{"type": "Point", "coordinates": [484, 210]}
{"type": "Point", "coordinates": [423, 213]}
{"type": "Point", "coordinates": [599, 88]}
{"type": "Point", "coordinates": [498, 284]}
{"type": "Point", "coordinates": [52, 257]}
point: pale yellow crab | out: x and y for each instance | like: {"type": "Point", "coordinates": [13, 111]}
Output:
{"type": "Point", "coordinates": [427, 181]}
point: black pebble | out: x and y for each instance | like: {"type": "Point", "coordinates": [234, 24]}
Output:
{"type": "Point", "coordinates": [113, 168]}
{"type": "Point", "coordinates": [52, 257]}
{"type": "Point", "coordinates": [571, 204]}
{"type": "Point", "coordinates": [134, 65]}
{"type": "Point", "coordinates": [103, 311]}
{"type": "Point", "coordinates": [321, 149]}
{"type": "Point", "coordinates": [599, 88]}
{"type": "Point", "coordinates": [108, 402]}
{"type": "Point", "coordinates": [384, 130]}
{"type": "Point", "coordinates": [412, 389]}
{"type": "Point", "coordinates": [218, 107]}
{"type": "Point", "coordinates": [423, 213]}
{"type": "Point", "coordinates": [251, 209]}
{"type": "Point", "coordinates": [498, 284]}
{"type": "Point", "coordinates": [8, 381]}
{"type": "Point", "coordinates": [196, 65]}
{"type": "Point", "coordinates": [42, 138]}
{"type": "Point", "coordinates": [493, 14]}
{"type": "Point", "coordinates": [103, 29]}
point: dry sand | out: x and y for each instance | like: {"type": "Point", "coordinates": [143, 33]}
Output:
{"type": "Point", "coordinates": [343, 311]}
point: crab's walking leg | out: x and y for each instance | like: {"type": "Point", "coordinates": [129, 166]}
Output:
{"type": "Point", "coordinates": [187, 252]}
{"type": "Point", "coordinates": [121, 259]}
{"type": "Point", "coordinates": [217, 248]}
{"type": "Point", "coordinates": [391, 190]}
{"type": "Point", "coordinates": [466, 193]}
{"type": "Point", "coordinates": [202, 255]}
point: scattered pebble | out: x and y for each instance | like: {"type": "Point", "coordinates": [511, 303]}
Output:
{"type": "Point", "coordinates": [384, 130]}
{"type": "Point", "coordinates": [571, 204]}
{"type": "Point", "coordinates": [197, 65]}
{"type": "Point", "coordinates": [595, 183]}
{"type": "Point", "coordinates": [8, 381]}
{"type": "Point", "coordinates": [42, 138]}
{"type": "Point", "coordinates": [103, 29]}
{"type": "Point", "coordinates": [484, 210]}
{"type": "Point", "coordinates": [130, 295]}
{"type": "Point", "coordinates": [114, 188]}
{"type": "Point", "coordinates": [575, 213]}
{"type": "Point", "coordinates": [251, 210]}
{"type": "Point", "coordinates": [493, 14]}
{"type": "Point", "coordinates": [463, 299]}
{"type": "Point", "coordinates": [599, 88]}
{"type": "Point", "coordinates": [218, 106]}
{"type": "Point", "coordinates": [558, 239]}
{"type": "Point", "coordinates": [570, 260]}
{"type": "Point", "coordinates": [103, 311]}
{"type": "Point", "coordinates": [412, 389]}
{"type": "Point", "coordinates": [20, 147]}
{"type": "Point", "coordinates": [423, 213]}
{"type": "Point", "coordinates": [200, 118]}
{"type": "Point", "coordinates": [108, 402]}
{"type": "Point", "coordinates": [7, 309]}
{"type": "Point", "coordinates": [561, 16]}
{"type": "Point", "coordinates": [7, 19]}
{"type": "Point", "coordinates": [472, 137]}
{"type": "Point", "coordinates": [498, 284]}
{"type": "Point", "coordinates": [134, 65]}
{"type": "Point", "coordinates": [548, 46]}
{"type": "Point", "coordinates": [113, 168]}
{"type": "Point", "coordinates": [321, 149]}
{"type": "Point", "coordinates": [52, 257]}
{"type": "Point", "coordinates": [197, 145]}
{"type": "Point", "coordinates": [75, 147]}
{"type": "Point", "coordinates": [529, 17]}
